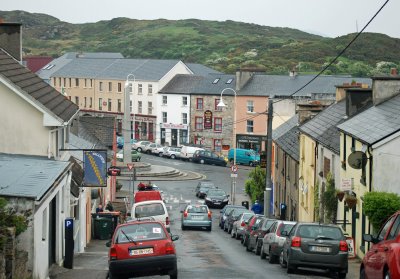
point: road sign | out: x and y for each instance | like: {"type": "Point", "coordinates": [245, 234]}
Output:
{"type": "Point", "coordinates": [234, 168]}
{"type": "Point", "coordinates": [130, 166]}
{"type": "Point", "coordinates": [233, 174]}
{"type": "Point", "coordinates": [114, 171]}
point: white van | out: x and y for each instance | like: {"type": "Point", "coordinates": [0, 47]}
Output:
{"type": "Point", "coordinates": [152, 208]}
{"type": "Point", "coordinates": [187, 152]}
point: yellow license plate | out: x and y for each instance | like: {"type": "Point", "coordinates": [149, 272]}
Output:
{"type": "Point", "coordinates": [138, 252]}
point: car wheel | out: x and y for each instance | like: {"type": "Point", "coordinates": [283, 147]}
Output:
{"type": "Point", "coordinates": [289, 268]}
{"type": "Point", "coordinates": [271, 258]}
{"type": "Point", "coordinates": [248, 247]}
{"type": "Point", "coordinates": [387, 275]}
{"type": "Point", "coordinates": [342, 275]}
{"type": "Point", "coordinates": [237, 236]}
{"type": "Point", "coordinates": [174, 274]}
{"type": "Point", "coordinates": [148, 151]}
{"type": "Point", "coordinates": [209, 228]}
{"type": "Point", "coordinates": [229, 229]}
{"type": "Point", "coordinates": [251, 164]}
{"type": "Point", "coordinates": [183, 227]}
{"type": "Point", "coordinates": [282, 260]}
{"type": "Point", "coordinates": [173, 156]}
{"type": "Point", "coordinates": [233, 233]}
{"type": "Point", "coordinates": [201, 161]}
{"type": "Point", "coordinates": [262, 253]}
{"type": "Point", "coordinates": [139, 149]}
{"type": "Point", "coordinates": [258, 248]}
{"type": "Point", "coordinates": [160, 154]}
{"type": "Point", "coordinates": [111, 276]}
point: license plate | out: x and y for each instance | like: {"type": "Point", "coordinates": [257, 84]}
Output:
{"type": "Point", "coordinates": [217, 203]}
{"type": "Point", "coordinates": [320, 249]}
{"type": "Point", "coordinates": [197, 217]}
{"type": "Point", "coordinates": [138, 252]}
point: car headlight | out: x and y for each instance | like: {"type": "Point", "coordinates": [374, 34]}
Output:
{"type": "Point", "coordinates": [208, 199]}
{"type": "Point", "coordinates": [226, 199]}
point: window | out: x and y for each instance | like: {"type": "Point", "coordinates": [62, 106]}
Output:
{"type": "Point", "coordinates": [229, 81]}
{"type": "Point", "coordinates": [199, 103]}
{"type": "Point", "coordinates": [119, 87]}
{"type": "Point", "coordinates": [140, 89]}
{"type": "Point", "coordinates": [385, 228]}
{"type": "Point", "coordinates": [110, 87]}
{"type": "Point", "coordinates": [394, 231]}
{"type": "Point", "coordinates": [164, 100]}
{"type": "Point", "coordinates": [164, 117]}
{"type": "Point", "coordinates": [85, 82]}
{"type": "Point", "coordinates": [101, 86]}
{"type": "Point", "coordinates": [198, 123]}
{"type": "Point", "coordinates": [218, 124]}
{"type": "Point", "coordinates": [100, 104]}
{"type": "Point", "coordinates": [184, 118]}
{"type": "Point", "coordinates": [150, 107]}
{"type": "Point", "coordinates": [215, 81]}
{"type": "Point", "coordinates": [65, 82]}
{"type": "Point", "coordinates": [70, 82]}
{"type": "Point", "coordinates": [150, 89]}
{"type": "Point", "coordinates": [184, 101]}
{"type": "Point", "coordinates": [84, 102]}
{"type": "Point", "coordinates": [217, 145]}
{"type": "Point", "coordinates": [76, 82]}
{"type": "Point", "coordinates": [119, 105]}
{"type": "Point", "coordinates": [130, 106]}
{"type": "Point", "coordinates": [250, 106]}
{"type": "Point", "coordinates": [91, 83]}
{"type": "Point", "coordinates": [90, 102]}
{"type": "Point", "coordinates": [109, 104]}
{"type": "Point", "coordinates": [216, 107]}
{"type": "Point", "coordinates": [59, 82]}
{"type": "Point", "coordinates": [140, 106]}
{"type": "Point", "coordinates": [249, 127]}
{"type": "Point", "coordinates": [77, 100]}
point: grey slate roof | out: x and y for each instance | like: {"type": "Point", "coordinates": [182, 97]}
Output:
{"type": "Point", "coordinates": [35, 87]}
{"type": "Point", "coordinates": [28, 176]}
{"type": "Point", "coordinates": [48, 70]}
{"type": "Point", "coordinates": [201, 70]}
{"type": "Point", "coordinates": [98, 127]}
{"type": "Point", "coordinates": [286, 137]}
{"type": "Point", "coordinates": [375, 123]}
{"type": "Point", "coordinates": [118, 69]}
{"type": "Point", "coordinates": [206, 86]}
{"type": "Point", "coordinates": [181, 84]}
{"type": "Point", "coordinates": [322, 127]}
{"type": "Point", "coordinates": [280, 85]}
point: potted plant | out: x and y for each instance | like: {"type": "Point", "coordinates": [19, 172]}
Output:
{"type": "Point", "coordinates": [340, 195]}
{"type": "Point", "coordinates": [351, 201]}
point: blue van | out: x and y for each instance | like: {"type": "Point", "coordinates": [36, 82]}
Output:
{"type": "Point", "coordinates": [244, 157]}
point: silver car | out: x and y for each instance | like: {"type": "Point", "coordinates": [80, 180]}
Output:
{"type": "Point", "coordinates": [273, 241]}
{"type": "Point", "coordinates": [140, 145]}
{"type": "Point", "coordinates": [240, 225]}
{"type": "Point", "coordinates": [196, 215]}
{"type": "Point", "coordinates": [172, 152]}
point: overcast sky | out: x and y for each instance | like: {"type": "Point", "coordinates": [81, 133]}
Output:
{"type": "Point", "coordinates": [329, 18]}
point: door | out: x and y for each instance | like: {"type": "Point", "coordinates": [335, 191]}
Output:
{"type": "Point", "coordinates": [162, 136]}
{"type": "Point", "coordinates": [174, 137]}
{"type": "Point", "coordinates": [52, 231]}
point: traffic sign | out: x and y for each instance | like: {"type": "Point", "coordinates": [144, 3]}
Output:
{"type": "Point", "coordinates": [234, 168]}
{"type": "Point", "coordinates": [114, 171]}
{"type": "Point", "coordinates": [130, 166]}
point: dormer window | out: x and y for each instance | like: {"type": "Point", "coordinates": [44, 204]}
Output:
{"type": "Point", "coordinates": [216, 81]}
{"type": "Point", "coordinates": [229, 81]}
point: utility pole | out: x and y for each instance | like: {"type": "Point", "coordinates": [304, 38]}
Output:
{"type": "Point", "coordinates": [126, 127]}
{"type": "Point", "coordinates": [268, 182]}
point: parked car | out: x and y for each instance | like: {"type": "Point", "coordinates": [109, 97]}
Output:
{"type": "Point", "coordinates": [253, 225]}
{"type": "Point", "coordinates": [153, 208]}
{"type": "Point", "coordinates": [202, 188]}
{"type": "Point", "coordinates": [208, 157]}
{"type": "Point", "coordinates": [135, 155]}
{"type": "Point", "coordinates": [244, 156]}
{"type": "Point", "coordinates": [142, 248]}
{"type": "Point", "coordinates": [216, 198]}
{"type": "Point", "coordinates": [157, 150]}
{"type": "Point", "coordinates": [273, 241]}
{"type": "Point", "coordinates": [314, 245]}
{"type": "Point", "coordinates": [187, 152]}
{"type": "Point", "coordinates": [240, 225]}
{"type": "Point", "coordinates": [224, 213]}
{"type": "Point", "coordinates": [382, 259]}
{"type": "Point", "coordinates": [257, 235]}
{"type": "Point", "coordinates": [148, 148]}
{"type": "Point", "coordinates": [196, 216]}
{"type": "Point", "coordinates": [140, 145]}
{"type": "Point", "coordinates": [172, 152]}
{"type": "Point", "coordinates": [232, 217]}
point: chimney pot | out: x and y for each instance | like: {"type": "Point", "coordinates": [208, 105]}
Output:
{"type": "Point", "coordinates": [393, 72]}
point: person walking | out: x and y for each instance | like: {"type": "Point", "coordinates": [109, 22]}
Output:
{"type": "Point", "coordinates": [257, 208]}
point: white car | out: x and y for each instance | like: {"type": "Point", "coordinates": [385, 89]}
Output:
{"type": "Point", "coordinates": [158, 150]}
{"type": "Point", "coordinates": [187, 152]}
{"type": "Point", "coordinates": [140, 145]}
{"type": "Point", "coordinates": [172, 152]}
{"type": "Point", "coordinates": [152, 208]}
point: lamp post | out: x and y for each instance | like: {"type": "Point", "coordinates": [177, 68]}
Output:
{"type": "Point", "coordinates": [126, 127]}
{"type": "Point", "coordinates": [233, 175]}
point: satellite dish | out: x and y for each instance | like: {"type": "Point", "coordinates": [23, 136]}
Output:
{"type": "Point", "coordinates": [357, 160]}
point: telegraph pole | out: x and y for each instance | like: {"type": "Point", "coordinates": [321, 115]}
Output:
{"type": "Point", "coordinates": [268, 182]}
{"type": "Point", "coordinates": [126, 126]}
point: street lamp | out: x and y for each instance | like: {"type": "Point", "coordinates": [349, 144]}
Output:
{"type": "Point", "coordinates": [127, 134]}
{"type": "Point", "coordinates": [233, 175]}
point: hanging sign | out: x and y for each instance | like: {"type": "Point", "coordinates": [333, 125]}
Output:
{"type": "Point", "coordinates": [208, 119]}
{"type": "Point", "coordinates": [95, 168]}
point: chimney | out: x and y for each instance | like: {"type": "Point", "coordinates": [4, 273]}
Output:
{"type": "Point", "coordinates": [385, 87]}
{"type": "Point", "coordinates": [357, 99]}
{"type": "Point", "coordinates": [308, 110]}
{"type": "Point", "coordinates": [293, 73]}
{"type": "Point", "coordinates": [242, 77]}
{"type": "Point", "coordinates": [11, 39]}
{"type": "Point", "coordinates": [341, 89]}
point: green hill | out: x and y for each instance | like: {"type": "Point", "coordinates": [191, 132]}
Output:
{"type": "Point", "coordinates": [224, 46]}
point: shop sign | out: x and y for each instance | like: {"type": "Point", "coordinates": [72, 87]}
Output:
{"type": "Point", "coordinates": [208, 119]}
{"type": "Point", "coordinates": [173, 126]}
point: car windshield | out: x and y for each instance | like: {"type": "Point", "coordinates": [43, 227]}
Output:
{"type": "Point", "coordinates": [285, 227]}
{"type": "Point", "coordinates": [321, 232]}
{"type": "Point", "coordinates": [141, 231]}
{"type": "Point", "coordinates": [238, 211]}
{"type": "Point", "coordinates": [247, 217]}
{"type": "Point", "coordinates": [216, 193]}
{"type": "Point", "coordinates": [147, 210]}
{"type": "Point", "coordinates": [197, 209]}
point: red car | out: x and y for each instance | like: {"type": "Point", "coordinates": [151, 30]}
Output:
{"type": "Point", "coordinates": [383, 258]}
{"type": "Point", "coordinates": [142, 248]}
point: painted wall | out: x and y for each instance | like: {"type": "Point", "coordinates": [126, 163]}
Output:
{"type": "Point", "coordinates": [306, 178]}
{"type": "Point", "coordinates": [22, 126]}
{"type": "Point", "coordinates": [242, 114]}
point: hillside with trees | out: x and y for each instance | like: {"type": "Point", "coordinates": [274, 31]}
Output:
{"type": "Point", "coordinates": [224, 46]}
